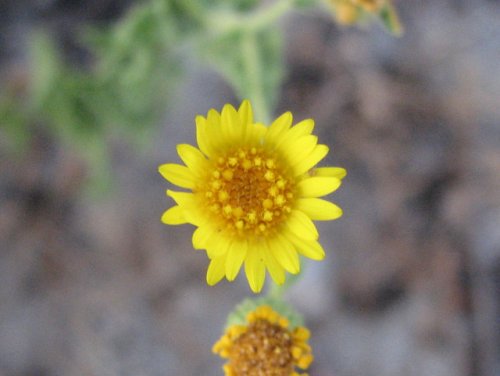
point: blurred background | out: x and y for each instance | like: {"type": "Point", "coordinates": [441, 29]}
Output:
{"type": "Point", "coordinates": [91, 282]}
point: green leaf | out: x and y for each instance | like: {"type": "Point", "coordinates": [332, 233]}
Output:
{"type": "Point", "coordinates": [14, 123]}
{"type": "Point", "coordinates": [252, 62]}
{"type": "Point", "coordinates": [46, 68]}
{"type": "Point", "coordinates": [390, 19]}
{"type": "Point", "coordinates": [305, 3]}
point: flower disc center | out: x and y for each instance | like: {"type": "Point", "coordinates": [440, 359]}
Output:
{"type": "Point", "coordinates": [249, 191]}
{"type": "Point", "coordinates": [264, 349]}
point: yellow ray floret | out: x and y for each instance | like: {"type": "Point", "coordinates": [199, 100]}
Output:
{"type": "Point", "coordinates": [253, 193]}
{"type": "Point", "coordinates": [264, 345]}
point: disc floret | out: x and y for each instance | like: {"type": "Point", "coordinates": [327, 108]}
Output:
{"type": "Point", "coordinates": [249, 191]}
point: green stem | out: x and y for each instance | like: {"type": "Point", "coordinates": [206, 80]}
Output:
{"type": "Point", "coordinates": [253, 72]}
{"type": "Point", "coordinates": [269, 15]}
{"type": "Point", "coordinates": [276, 291]}
{"type": "Point", "coordinates": [226, 22]}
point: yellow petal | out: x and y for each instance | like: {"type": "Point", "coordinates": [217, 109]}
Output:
{"type": "Point", "coordinates": [308, 248]}
{"type": "Point", "coordinates": [245, 113]}
{"type": "Point", "coordinates": [235, 257]}
{"type": "Point", "coordinates": [213, 129]}
{"type": "Point", "coordinates": [304, 128]}
{"type": "Point", "coordinates": [217, 245]}
{"type": "Point", "coordinates": [285, 254]}
{"type": "Point", "coordinates": [299, 148]}
{"type": "Point", "coordinates": [318, 209]}
{"type": "Point", "coordinates": [279, 127]}
{"type": "Point", "coordinates": [318, 186]}
{"type": "Point", "coordinates": [229, 124]}
{"type": "Point", "coordinates": [214, 120]}
{"type": "Point", "coordinates": [193, 158]}
{"type": "Point", "coordinates": [208, 133]}
{"type": "Point", "coordinates": [201, 237]}
{"type": "Point", "coordinates": [174, 216]}
{"type": "Point", "coordinates": [182, 198]}
{"type": "Point", "coordinates": [245, 116]}
{"type": "Point", "coordinates": [318, 153]}
{"type": "Point", "coordinates": [334, 172]}
{"type": "Point", "coordinates": [255, 133]}
{"type": "Point", "coordinates": [202, 137]}
{"type": "Point", "coordinates": [300, 224]}
{"type": "Point", "coordinates": [216, 270]}
{"type": "Point", "coordinates": [178, 175]}
{"type": "Point", "coordinates": [276, 271]}
{"type": "Point", "coordinates": [255, 269]}
{"type": "Point", "coordinates": [191, 210]}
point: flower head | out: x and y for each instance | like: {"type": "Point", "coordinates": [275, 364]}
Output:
{"type": "Point", "coordinates": [349, 12]}
{"type": "Point", "coordinates": [265, 345]}
{"type": "Point", "coordinates": [254, 194]}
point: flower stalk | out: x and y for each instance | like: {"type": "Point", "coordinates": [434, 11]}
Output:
{"type": "Point", "coordinates": [252, 70]}
{"type": "Point", "coordinates": [227, 22]}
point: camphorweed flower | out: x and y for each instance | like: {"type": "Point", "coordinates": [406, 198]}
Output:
{"type": "Point", "coordinates": [255, 192]}
{"type": "Point", "coordinates": [266, 345]}
{"type": "Point", "coordinates": [349, 12]}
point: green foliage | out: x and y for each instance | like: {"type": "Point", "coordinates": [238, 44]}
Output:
{"type": "Point", "coordinates": [13, 123]}
{"type": "Point", "coordinates": [252, 62]}
{"type": "Point", "coordinates": [305, 3]}
{"type": "Point", "coordinates": [390, 20]}
{"type": "Point", "coordinates": [137, 68]}
{"type": "Point", "coordinates": [137, 63]}
{"type": "Point", "coordinates": [61, 96]}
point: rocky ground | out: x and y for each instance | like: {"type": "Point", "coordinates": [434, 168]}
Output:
{"type": "Point", "coordinates": [411, 283]}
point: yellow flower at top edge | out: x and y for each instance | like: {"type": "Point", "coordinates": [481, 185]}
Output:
{"type": "Point", "coordinates": [265, 345]}
{"type": "Point", "coordinates": [369, 5]}
{"type": "Point", "coordinates": [347, 12]}
{"type": "Point", "coordinates": [254, 193]}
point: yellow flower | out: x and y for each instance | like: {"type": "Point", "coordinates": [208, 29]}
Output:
{"type": "Point", "coordinates": [370, 5]}
{"type": "Point", "coordinates": [264, 345]}
{"type": "Point", "coordinates": [349, 12]}
{"type": "Point", "coordinates": [254, 194]}
{"type": "Point", "coordinates": [346, 13]}
{"type": "Point", "coordinates": [366, 5]}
